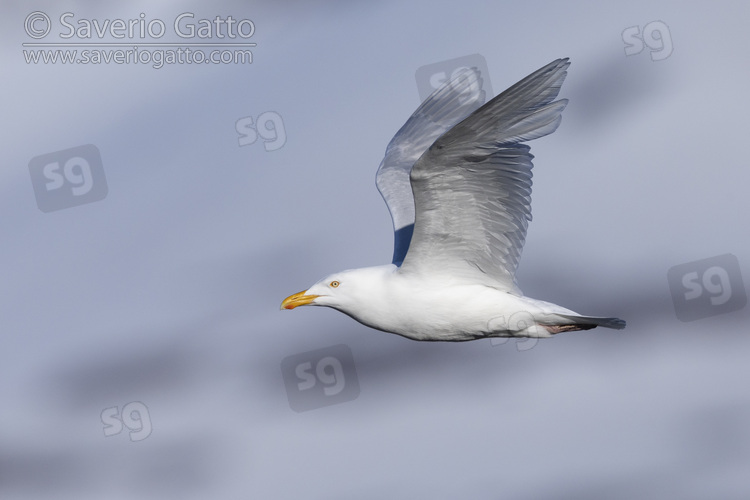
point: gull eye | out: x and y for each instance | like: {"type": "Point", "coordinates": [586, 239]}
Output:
{"type": "Point", "coordinates": [334, 284]}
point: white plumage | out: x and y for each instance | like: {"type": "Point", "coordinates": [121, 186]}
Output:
{"type": "Point", "coordinates": [457, 181]}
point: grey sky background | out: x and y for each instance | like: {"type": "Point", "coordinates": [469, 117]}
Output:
{"type": "Point", "coordinates": [167, 291]}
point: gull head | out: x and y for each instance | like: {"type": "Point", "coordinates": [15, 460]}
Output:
{"type": "Point", "coordinates": [346, 291]}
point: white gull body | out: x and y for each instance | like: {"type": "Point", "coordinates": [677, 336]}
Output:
{"type": "Point", "coordinates": [457, 181]}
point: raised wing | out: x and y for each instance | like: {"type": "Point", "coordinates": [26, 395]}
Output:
{"type": "Point", "coordinates": [445, 107]}
{"type": "Point", "coordinates": [472, 187]}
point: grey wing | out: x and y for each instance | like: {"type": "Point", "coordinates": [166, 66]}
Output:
{"type": "Point", "coordinates": [472, 187]}
{"type": "Point", "coordinates": [445, 107]}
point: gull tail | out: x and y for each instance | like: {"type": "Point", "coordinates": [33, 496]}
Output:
{"type": "Point", "coordinates": [584, 323]}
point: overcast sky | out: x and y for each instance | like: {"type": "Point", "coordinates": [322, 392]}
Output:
{"type": "Point", "coordinates": [155, 217]}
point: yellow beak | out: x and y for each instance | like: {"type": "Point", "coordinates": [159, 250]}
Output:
{"type": "Point", "coordinates": [298, 299]}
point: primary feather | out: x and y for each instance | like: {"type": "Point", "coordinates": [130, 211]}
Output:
{"type": "Point", "coordinates": [472, 187]}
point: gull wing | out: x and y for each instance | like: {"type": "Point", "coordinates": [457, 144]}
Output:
{"type": "Point", "coordinates": [472, 187]}
{"type": "Point", "coordinates": [445, 107]}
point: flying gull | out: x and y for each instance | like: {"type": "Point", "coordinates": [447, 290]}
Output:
{"type": "Point", "coordinates": [457, 181]}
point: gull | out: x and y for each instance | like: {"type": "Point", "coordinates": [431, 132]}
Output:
{"type": "Point", "coordinates": [457, 181]}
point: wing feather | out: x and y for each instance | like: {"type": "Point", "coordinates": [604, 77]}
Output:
{"type": "Point", "coordinates": [472, 187]}
{"type": "Point", "coordinates": [445, 107]}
